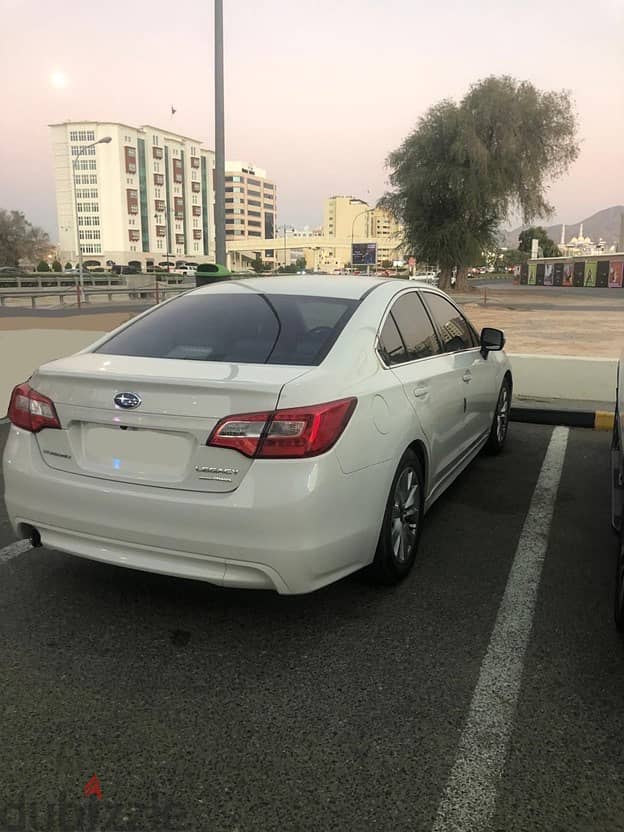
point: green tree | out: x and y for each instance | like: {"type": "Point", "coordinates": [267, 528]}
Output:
{"type": "Point", "coordinates": [547, 246]}
{"type": "Point", "coordinates": [513, 257]}
{"type": "Point", "coordinates": [56, 266]}
{"type": "Point", "coordinates": [20, 239]}
{"type": "Point", "coordinates": [466, 167]}
{"type": "Point", "coordinates": [68, 267]}
{"type": "Point", "coordinates": [300, 264]}
{"type": "Point", "coordinates": [42, 266]}
{"type": "Point", "coordinates": [258, 265]}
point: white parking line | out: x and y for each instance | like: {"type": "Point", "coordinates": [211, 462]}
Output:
{"type": "Point", "coordinates": [469, 800]}
{"type": "Point", "coordinates": [14, 549]}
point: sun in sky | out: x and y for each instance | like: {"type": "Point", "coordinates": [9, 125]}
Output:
{"type": "Point", "coordinates": [58, 80]}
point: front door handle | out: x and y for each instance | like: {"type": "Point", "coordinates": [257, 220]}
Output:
{"type": "Point", "coordinates": [421, 392]}
{"type": "Point", "coordinates": [467, 377]}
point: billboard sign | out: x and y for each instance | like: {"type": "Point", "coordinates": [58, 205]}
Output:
{"type": "Point", "coordinates": [364, 254]}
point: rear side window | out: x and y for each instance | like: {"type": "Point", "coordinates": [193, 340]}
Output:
{"type": "Point", "coordinates": [455, 331]}
{"type": "Point", "coordinates": [238, 328]}
{"type": "Point", "coordinates": [391, 346]}
{"type": "Point", "coordinates": [415, 327]}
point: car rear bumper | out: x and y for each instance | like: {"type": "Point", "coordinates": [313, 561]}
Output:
{"type": "Point", "coordinates": [292, 525]}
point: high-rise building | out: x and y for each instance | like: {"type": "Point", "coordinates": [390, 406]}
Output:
{"type": "Point", "coordinates": [250, 204]}
{"type": "Point", "coordinates": [143, 199]}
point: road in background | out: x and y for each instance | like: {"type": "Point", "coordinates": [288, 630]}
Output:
{"type": "Point", "coordinates": [338, 710]}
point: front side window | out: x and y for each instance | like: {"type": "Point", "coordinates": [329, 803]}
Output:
{"type": "Point", "coordinates": [236, 327]}
{"type": "Point", "coordinates": [454, 330]}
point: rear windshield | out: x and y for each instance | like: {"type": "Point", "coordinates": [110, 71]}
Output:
{"type": "Point", "coordinates": [241, 328]}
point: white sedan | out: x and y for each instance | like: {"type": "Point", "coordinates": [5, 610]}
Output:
{"type": "Point", "coordinates": [277, 433]}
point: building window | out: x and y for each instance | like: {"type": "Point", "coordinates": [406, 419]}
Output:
{"type": "Point", "coordinates": [82, 136]}
{"type": "Point", "coordinates": [195, 199]}
{"type": "Point", "coordinates": [254, 233]}
{"type": "Point", "coordinates": [159, 179]}
{"type": "Point", "coordinates": [268, 186]}
{"type": "Point", "coordinates": [254, 202]}
{"type": "Point", "coordinates": [157, 193]}
{"type": "Point", "coordinates": [195, 246]}
{"type": "Point", "coordinates": [157, 167]}
{"type": "Point", "coordinates": [130, 159]}
{"type": "Point", "coordinates": [155, 141]}
{"type": "Point", "coordinates": [159, 244]}
{"type": "Point", "coordinates": [253, 193]}
{"type": "Point", "coordinates": [254, 224]}
{"type": "Point", "coordinates": [255, 213]}
{"type": "Point", "coordinates": [195, 187]}
{"type": "Point", "coordinates": [255, 182]}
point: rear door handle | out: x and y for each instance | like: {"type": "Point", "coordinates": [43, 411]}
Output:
{"type": "Point", "coordinates": [467, 377]}
{"type": "Point", "coordinates": [421, 392]}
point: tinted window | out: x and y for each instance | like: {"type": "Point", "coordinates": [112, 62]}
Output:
{"type": "Point", "coordinates": [241, 327]}
{"type": "Point", "coordinates": [454, 330]}
{"type": "Point", "coordinates": [391, 346]}
{"type": "Point", "coordinates": [415, 326]}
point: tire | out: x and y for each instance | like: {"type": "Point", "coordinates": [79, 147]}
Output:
{"type": "Point", "coordinates": [402, 523]}
{"type": "Point", "coordinates": [618, 601]}
{"type": "Point", "coordinates": [500, 423]}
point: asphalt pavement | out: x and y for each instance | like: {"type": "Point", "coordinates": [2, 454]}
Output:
{"type": "Point", "coordinates": [199, 708]}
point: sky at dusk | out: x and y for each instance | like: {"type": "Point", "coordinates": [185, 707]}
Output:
{"type": "Point", "coordinates": [317, 93]}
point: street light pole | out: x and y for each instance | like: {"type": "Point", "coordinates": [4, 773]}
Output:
{"type": "Point", "coordinates": [82, 150]}
{"type": "Point", "coordinates": [219, 174]}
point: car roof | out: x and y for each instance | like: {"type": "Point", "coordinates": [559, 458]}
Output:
{"type": "Point", "coordinates": [351, 287]}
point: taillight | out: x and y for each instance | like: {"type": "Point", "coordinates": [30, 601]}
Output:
{"type": "Point", "coordinates": [291, 433]}
{"type": "Point", "coordinates": [31, 410]}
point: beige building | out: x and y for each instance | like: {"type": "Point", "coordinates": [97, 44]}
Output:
{"type": "Point", "coordinates": [144, 198]}
{"type": "Point", "coordinates": [250, 205]}
{"type": "Point", "coordinates": [349, 220]}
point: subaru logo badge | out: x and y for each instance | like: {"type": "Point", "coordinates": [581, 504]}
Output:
{"type": "Point", "coordinates": [127, 400]}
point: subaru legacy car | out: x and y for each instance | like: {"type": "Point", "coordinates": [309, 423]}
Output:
{"type": "Point", "coordinates": [278, 433]}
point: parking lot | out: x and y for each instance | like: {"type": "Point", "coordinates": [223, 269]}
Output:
{"type": "Point", "coordinates": [200, 708]}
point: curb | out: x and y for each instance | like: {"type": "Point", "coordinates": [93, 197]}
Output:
{"type": "Point", "coordinates": [593, 419]}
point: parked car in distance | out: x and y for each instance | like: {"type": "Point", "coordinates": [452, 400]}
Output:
{"type": "Point", "coordinates": [426, 277]}
{"type": "Point", "coordinates": [617, 493]}
{"type": "Point", "coordinates": [278, 432]}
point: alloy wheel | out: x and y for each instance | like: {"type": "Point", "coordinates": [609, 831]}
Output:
{"type": "Point", "coordinates": [405, 515]}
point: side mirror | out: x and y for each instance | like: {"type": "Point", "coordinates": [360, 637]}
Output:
{"type": "Point", "coordinates": [492, 340]}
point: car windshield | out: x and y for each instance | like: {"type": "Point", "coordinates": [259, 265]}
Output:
{"type": "Point", "coordinates": [250, 328]}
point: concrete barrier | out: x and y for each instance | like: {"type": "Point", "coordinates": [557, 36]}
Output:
{"type": "Point", "coordinates": [564, 377]}
{"type": "Point", "coordinates": [535, 376]}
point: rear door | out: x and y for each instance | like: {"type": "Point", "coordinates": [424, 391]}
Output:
{"type": "Point", "coordinates": [410, 346]}
{"type": "Point", "coordinates": [478, 376]}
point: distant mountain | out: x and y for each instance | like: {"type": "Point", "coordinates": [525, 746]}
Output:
{"type": "Point", "coordinates": [605, 224]}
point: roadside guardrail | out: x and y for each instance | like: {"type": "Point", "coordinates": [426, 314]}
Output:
{"type": "Point", "coordinates": [156, 293]}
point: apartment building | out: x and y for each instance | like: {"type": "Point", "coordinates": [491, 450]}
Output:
{"type": "Point", "coordinates": [250, 204]}
{"type": "Point", "coordinates": [145, 198]}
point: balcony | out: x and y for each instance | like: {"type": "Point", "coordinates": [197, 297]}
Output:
{"type": "Point", "coordinates": [159, 179]}
{"type": "Point", "coordinates": [179, 239]}
{"type": "Point", "coordinates": [197, 235]}
{"type": "Point", "coordinates": [197, 210]}
{"type": "Point", "coordinates": [194, 161]}
{"type": "Point", "coordinates": [195, 187]}
{"type": "Point", "coordinates": [159, 205]}
{"type": "Point", "coordinates": [157, 152]}
{"type": "Point", "coordinates": [161, 230]}
{"type": "Point", "coordinates": [134, 235]}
